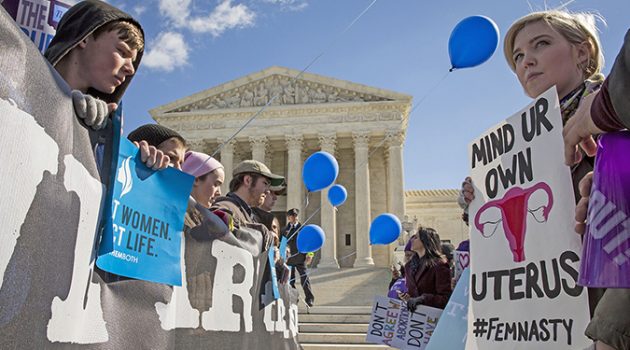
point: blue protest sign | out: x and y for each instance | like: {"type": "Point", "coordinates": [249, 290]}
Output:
{"type": "Point", "coordinates": [274, 278]}
{"type": "Point", "coordinates": [145, 219]}
{"type": "Point", "coordinates": [450, 332]}
{"type": "Point", "coordinates": [283, 248]}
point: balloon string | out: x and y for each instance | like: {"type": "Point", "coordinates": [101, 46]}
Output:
{"type": "Point", "coordinates": [300, 275]}
{"type": "Point", "coordinates": [347, 256]}
{"type": "Point", "coordinates": [304, 223]}
{"type": "Point", "coordinates": [308, 271]}
{"type": "Point", "coordinates": [294, 80]}
{"type": "Point", "coordinates": [375, 148]}
{"type": "Point", "coordinates": [308, 193]}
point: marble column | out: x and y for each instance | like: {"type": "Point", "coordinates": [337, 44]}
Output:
{"type": "Point", "coordinates": [198, 145]}
{"type": "Point", "coordinates": [395, 191]}
{"type": "Point", "coordinates": [227, 159]}
{"type": "Point", "coordinates": [327, 214]}
{"type": "Point", "coordinates": [294, 171]}
{"type": "Point", "coordinates": [394, 140]}
{"type": "Point", "coordinates": [259, 148]}
{"type": "Point", "coordinates": [362, 199]}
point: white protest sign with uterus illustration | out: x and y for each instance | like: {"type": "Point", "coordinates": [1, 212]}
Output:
{"type": "Point", "coordinates": [524, 253]}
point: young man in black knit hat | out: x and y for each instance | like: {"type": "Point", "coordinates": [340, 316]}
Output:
{"type": "Point", "coordinates": [155, 140]}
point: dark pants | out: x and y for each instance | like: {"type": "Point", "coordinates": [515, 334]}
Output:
{"type": "Point", "coordinates": [306, 283]}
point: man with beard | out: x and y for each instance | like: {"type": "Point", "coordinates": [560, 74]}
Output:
{"type": "Point", "coordinates": [250, 184]}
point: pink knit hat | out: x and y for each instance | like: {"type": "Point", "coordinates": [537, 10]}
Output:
{"type": "Point", "coordinates": [199, 164]}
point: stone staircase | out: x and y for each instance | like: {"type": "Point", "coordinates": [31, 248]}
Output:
{"type": "Point", "coordinates": [343, 300]}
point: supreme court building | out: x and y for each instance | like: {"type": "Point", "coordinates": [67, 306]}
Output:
{"type": "Point", "coordinates": [362, 126]}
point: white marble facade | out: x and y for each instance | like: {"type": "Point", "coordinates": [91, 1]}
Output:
{"type": "Point", "coordinates": [437, 209]}
{"type": "Point", "coordinates": [363, 127]}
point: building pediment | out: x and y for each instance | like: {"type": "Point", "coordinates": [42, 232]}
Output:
{"type": "Point", "coordinates": [279, 87]}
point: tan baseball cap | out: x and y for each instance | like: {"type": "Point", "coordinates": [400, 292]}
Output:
{"type": "Point", "coordinates": [256, 167]}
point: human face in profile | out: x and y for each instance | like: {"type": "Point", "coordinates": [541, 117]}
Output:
{"type": "Point", "coordinates": [208, 187]}
{"type": "Point", "coordinates": [107, 61]}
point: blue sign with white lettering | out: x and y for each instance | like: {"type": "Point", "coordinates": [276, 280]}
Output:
{"type": "Point", "coordinates": [142, 233]}
{"type": "Point", "coordinates": [450, 332]}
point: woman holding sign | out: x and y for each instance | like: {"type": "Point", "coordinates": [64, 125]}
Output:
{"type": "Point", "coordinates": [558, 48]}
{"type": "Point", "coordinates": [428, 275]}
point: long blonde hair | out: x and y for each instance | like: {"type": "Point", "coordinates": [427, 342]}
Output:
{"type": "Point", "coordinates": [577, 28]}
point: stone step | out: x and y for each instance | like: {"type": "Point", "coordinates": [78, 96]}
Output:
{"type": "Point", "coordinates": [333, 327]}
{"type": "Point", "coordinates": [334, 338]}
{"type": "Point", "coordinates": [333, 318]}
{"type": "Point", "coordinates": [347, 286]}
{"type": "Point", "coordinates": [343, 346]}
{"type": "Point", "coordinates": [332, 310]}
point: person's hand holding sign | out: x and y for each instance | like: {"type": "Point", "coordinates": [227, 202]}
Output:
{"type": "Point", "coordinates": [152, 157]}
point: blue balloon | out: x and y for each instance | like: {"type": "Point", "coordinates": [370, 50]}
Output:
{"type": "Point", "coordinates": [385, 229]}
{"type": "Point", "coordinates": [337, 195]}
{"type": "Point", "coordinates": [310, 239]}
{"type": "Point", "coordinates": [320, 171]}
{"type": "Point", "coordinates": [472, 42]}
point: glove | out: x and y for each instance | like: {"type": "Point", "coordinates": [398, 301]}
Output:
{"type": "Point", "coordinates": [92, 110]}
{"type": "Point", "coordinates": [413, 303]}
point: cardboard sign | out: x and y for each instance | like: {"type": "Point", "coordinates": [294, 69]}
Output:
{"type": "Point", "coordinates": [525, 260]}
{"type": "Point", "coordinates": [392, 324]}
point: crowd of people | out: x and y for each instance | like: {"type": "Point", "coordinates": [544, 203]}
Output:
{"type": "Point", "coordinates": [98, 49]}
{"type": "Point", "coordinates": [545, 49]}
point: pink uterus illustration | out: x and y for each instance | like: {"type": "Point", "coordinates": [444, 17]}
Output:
{"type": "Point", "coordinates": [514, 211]}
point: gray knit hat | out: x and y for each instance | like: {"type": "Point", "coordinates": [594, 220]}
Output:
{"type": "Point", "coordinates": [154, 134]}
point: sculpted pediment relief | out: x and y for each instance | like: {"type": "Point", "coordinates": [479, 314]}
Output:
{"type": "Point", "coordinates": [282, 90]}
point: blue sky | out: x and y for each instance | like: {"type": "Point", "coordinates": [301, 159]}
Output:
{"type": "Point", "coordinates": [400, 45]}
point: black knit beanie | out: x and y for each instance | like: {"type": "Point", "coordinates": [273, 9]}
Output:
{"type": "Point", "coordinates": [154, 134]}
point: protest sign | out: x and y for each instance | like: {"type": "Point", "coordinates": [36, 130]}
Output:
{"type": "Point", "coordinates": [392, 324]}
{"type": "Point", "coordinates": [462, 261]}
{"type": "Point", "coordinates": [526, 256]}
{"type": "Point", "coordinates": [451, 332]}
{"type": "Point", "coordinates": [606, 255]}
{"type": "Point", "coordinates": [142, 237]}
{"type": "Point", "coordinates": [272, 270]}
{"type": "Point", "coordinates": [421, 326]}
{"type": "Point", "coordinates": [38, 19]}
{"type": "Point", "coordinates": [383, 325]}
{"type": "Point", "coordinates": [51, 294]}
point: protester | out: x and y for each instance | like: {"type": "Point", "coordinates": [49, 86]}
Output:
{"type": "Point", "coordinates": [555, 48]}
{"type": "Point", "coordinates": [159, 145]}
{"type": "Point", "coordinates": [97, 49]}
{"type": "Point", "coordinates": [559, 48]}
{"type": "Point", "coordinates": [272, 197]}
{"type": "Point", "coordinates": [209, 176]}
{"type": "Point", "coordinates": [427, 274]}
{"type": "Point", "coordinates": [265, 206]}
{"type": "Point", "coordinates": [608, 110]}
{"type": "Point", "coordinates": [298, 261]}
{"type": "Point", "coordinates": [250, 184]}
{"type": "Point", "coordinates": [447, 251]}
